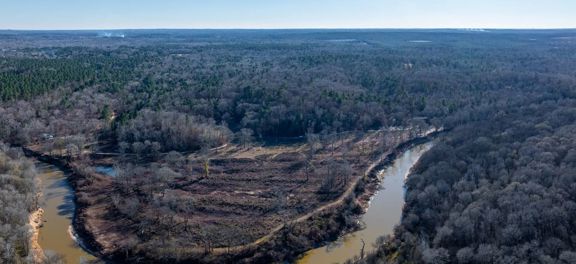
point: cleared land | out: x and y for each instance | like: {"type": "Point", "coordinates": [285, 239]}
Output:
{"type": "Point", "coordinates": [227, 198]}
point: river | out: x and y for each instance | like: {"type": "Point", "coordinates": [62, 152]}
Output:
{"type": "Point", "coordinates": [383, 214]}
{"type": "Point", "coordinates": [58, 204]}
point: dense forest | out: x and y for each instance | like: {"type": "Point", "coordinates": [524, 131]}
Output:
{"type": "Point", "coordinates": [296, 84]}
{"type": "Point", "coordinates": [500, 190]}
{"type": "Point", "coordinates": [274, 123]}
{"type": "Point", "coordinates": [17, 200]}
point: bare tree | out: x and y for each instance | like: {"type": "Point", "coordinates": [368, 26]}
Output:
{"type": "Point", "coordinates": [245, 137]}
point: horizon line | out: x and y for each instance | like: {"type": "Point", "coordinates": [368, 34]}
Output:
{"type": "Point", "coordinates": [293, 28]}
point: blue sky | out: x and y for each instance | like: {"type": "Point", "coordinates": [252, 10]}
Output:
{"type": "Point", "coordinates": [123, 14]}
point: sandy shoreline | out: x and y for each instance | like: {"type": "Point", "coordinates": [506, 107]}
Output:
{"type": "Point", "coordinates": [36, 223]}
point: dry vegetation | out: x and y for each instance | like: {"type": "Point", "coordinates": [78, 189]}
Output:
{"type": "Point", "coordinates": [225, 197]}
{"type": "Point", "coordinates": [230, 196]}
{"type": "Point", "coordinates": [178, 113]}
{"type": "Point", "coordinates": [18, 200]}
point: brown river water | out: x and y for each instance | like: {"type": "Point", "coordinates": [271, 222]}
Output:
{"type": "Point", "coordinates": [56, 234]}
{"type": "Point", "coordinates": [383, 214]}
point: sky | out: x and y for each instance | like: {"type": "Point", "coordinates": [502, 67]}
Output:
{"type": "Point", "coordinates": [136, 14]}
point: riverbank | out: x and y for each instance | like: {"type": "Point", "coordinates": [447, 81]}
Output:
{"type": "Point", "coordinates": [372, 182]}
{"type": "Point", "coordinates": [317, 228]}
{"type": "Point", "coordinates": [284, 242]}
{"type": "Point", "coordinates": [53, 225]}
{"type": "Point", "coordinates": [384, 212]}
{"type": "Point", "coordinates": [343, 213]}
{"type": "Point", "coordinates": [36, 223]}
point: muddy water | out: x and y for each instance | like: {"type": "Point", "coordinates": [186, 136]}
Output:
{"type": "Point", "coordinates": [383, 214]}
{"type": "Point", "coordinates": [58, 204]}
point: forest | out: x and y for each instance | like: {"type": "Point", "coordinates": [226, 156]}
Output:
{"type": "Point", "coordinates": [18, 199]}
{"type": "Point", "coordinates": [210, 131]}
{"type": "Point", "coordinates": [499, 190]}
